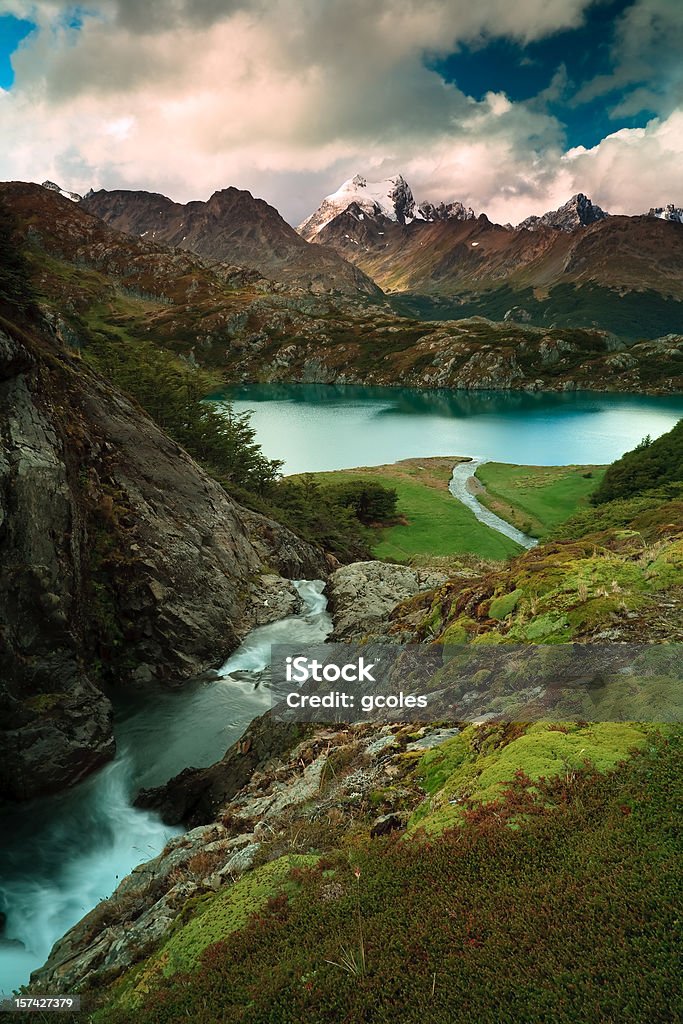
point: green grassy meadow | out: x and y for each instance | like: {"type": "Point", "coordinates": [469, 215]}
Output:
{"type": "Point", "coordinates": [431, 522]}
{"type": "Point", "coordinates": [537, 499]}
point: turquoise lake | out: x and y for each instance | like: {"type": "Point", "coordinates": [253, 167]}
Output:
{"type": "Point", "coordinates": [314, 427]}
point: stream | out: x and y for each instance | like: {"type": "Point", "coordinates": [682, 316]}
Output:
{"type": "Point", "coordinates": [463, 475]}
{"type": "Point", "coordinates": [63, 854]}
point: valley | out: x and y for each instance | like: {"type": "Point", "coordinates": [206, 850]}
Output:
{"type": "Point", "coordinates": [161, 393]}
{"type": "Point", "coordinates": [341, 512]}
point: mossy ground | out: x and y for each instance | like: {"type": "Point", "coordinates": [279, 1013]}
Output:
{"type": "Point", "coordinates": [208, 919]}
{"type": "Point", "coordinates": [569, 917]}
{"type": "Point", "coordinates": [478, 763]}
{"type": "Point", "coordinates": [562, 591]}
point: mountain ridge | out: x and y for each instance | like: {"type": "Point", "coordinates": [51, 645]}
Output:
{"type": "Point", "coordinates": [234, 227]}
{"type": "Point", "coordinates": [102, 286]}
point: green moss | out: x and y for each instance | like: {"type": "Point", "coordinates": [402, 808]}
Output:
{"type": "Point", "coordinates": [548, 628]}
{"type": "Point", "coordinates": [666, 570]}
{"type": "Point", "coordinates": [228, 911]}
{"type": "Point", "coordinates": [504, 605]}
{"type": "Point", "coordinates": [44, 701]}
{"type": "Point", "coordinates": [466, 767]}
{"type": "Point", "coordinates": [456, 633]}
{"type": "Point", "coordinates": [438, 765]}
{"type": "Point", "coordinates": [207, 919]}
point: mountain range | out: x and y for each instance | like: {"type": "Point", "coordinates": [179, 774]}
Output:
{"type": "Point", "coordinates": [231, 227]}
{"type": "Point", "coordinates": [576, 266]}
{"type": "Point", "coordinates": [102, 288]}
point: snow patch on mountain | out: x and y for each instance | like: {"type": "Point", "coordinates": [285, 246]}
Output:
{"type": "Point", "coordinates": [391, 198]}
{"type": "Point", "coordinates": [669, 212]}
{"type": "Point", "coordinates": [52, 187]}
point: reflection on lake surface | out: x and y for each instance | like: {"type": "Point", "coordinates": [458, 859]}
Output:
{"type": "Point", "coordinates": [315, 427]}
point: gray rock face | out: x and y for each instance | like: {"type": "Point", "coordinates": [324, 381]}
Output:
{"type": "Point", "coordinates": [195, 795]}
{"type": "Point", "coordinates": [56, 726]}
{"type": "Point", "coordinates": [363, 595]}
{"type": "Point", "coordinates": [577, 212]}
{"type": "Point", "coordinates": [446, 211]}
{"type": "Point", "coordinates": [122, 561]}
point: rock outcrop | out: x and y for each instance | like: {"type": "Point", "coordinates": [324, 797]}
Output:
{"type": "Point", "coordinates": [195, 795]}
{"type": "Point", "coordinates": [123, 562]}
{"type": "Point", "coordinates": [363, 595]}
{"type": "Point", "coordinates": [577, 212]}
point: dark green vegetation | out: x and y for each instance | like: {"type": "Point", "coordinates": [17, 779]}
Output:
{"type": "Point", "coordinates": [630, 315]}
{"type": "Point", "coordinates": [431, 522]}
{"type": "Point", "coordinates": [536, 499]}
{"type": "Point", "coordinates": [650, 465]}
{"type": "Point", "coordinates": [171, 390]}
{"type": "Point", "coordinates": [338, 519]}
{"type": "Point", "coordinates": [570, 916]}
{"type": "Point", "coordinates": [16, 293]}
{"type": "Point", "coordinates": [370, 501]}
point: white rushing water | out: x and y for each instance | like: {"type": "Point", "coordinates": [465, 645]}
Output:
{"type": "Point", "coordinates": [459, 487]}
{"type": "Point", "coordinates": [311, 626]}
{"type": "Point", "coordinates": [63, 854]}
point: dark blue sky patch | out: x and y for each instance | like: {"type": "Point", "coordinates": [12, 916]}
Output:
{"type": "Point", "coordinates": [525, 73]}
{"type": "Point", "coordinates": [12, 31]}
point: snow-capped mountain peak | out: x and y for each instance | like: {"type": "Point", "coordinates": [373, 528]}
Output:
{"type": "Point", "coordinates": [52, 187]}
{"type": "Point", "coordinates": [668, 212]}
{"type": "Point", "coordinates": [391, 198]}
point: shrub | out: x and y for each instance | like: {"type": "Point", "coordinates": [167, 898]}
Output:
{"type": "Point", "coordinates": [650, 464]}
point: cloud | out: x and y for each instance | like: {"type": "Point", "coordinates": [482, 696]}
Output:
{"type": "Point", "coordinates": [634, 168]}
{"type": "Point", "coordinates": [646, 54]}
{"type": "Point", "coordinates": [289, 97]}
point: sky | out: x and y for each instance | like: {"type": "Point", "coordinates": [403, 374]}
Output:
{"type": "Point", "coordinates": [509, 107]}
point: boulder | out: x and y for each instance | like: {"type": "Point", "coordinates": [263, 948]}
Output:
{"type": "Point", "coordinates": [363, 595]}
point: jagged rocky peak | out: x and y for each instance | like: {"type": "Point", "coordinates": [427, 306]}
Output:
{"type": "Point", "coordinates": [391, 198]}
{"type": "Point", "coordinates": [52, 187]}
{"type": "Point", "coordinates": [668, 212]}
{"type": "Point", "coordinates": [578, 212]}
{"type": "Point", "coordinates": [446, 211]}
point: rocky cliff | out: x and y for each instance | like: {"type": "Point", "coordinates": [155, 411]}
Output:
{"type": "Point", "coordinates": [123, 562]}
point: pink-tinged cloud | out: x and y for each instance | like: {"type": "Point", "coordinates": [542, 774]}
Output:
{"type": "Point", "coordinates": [291, 97]}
